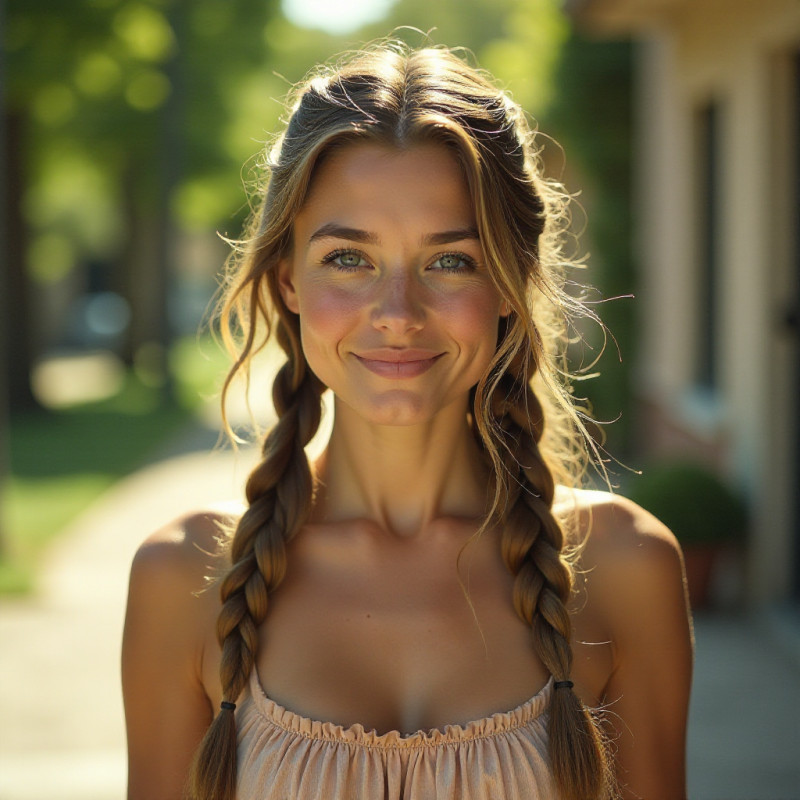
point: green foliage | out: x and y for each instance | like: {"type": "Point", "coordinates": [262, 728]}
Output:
{"type": "Point", "coordinates": [591, 116]}
{"type": "Point", "coordinates": [199, 366]}
{"type": "Point", "coordinates": [692, 501]}
{"type": "Point", "coordinates": [105, 437]}
{"type": "Point", "coordinates": [100, 82]}
{"type": "Point", "coordinates": [518, 41]}
{"type": "Point", "coordinates": [105, 88]}
{"type": "Point", "coordinates": [35, 508]}
{"type": "Point", "coordinates": [61, 461]}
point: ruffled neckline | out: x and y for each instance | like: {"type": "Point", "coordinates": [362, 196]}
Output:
{"type": "Point", "coordinates": [357, 734]}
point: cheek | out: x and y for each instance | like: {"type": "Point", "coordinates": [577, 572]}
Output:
{"type": "Point", "coordinates": [474, 316]}
{"type": "Point", "coordinates": [327, 317]}
{"type": "Point", "coordinates": [324, 311]}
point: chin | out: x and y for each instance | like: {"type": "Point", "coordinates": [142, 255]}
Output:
{"type": "Point", "coordinates": [402, 408]}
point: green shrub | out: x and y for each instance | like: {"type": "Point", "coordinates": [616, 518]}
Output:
{"type": "Point", "coordinates": [697, 505]}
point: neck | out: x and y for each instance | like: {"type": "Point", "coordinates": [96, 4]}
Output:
{"type": "Point", "coordinates": [402, 478]}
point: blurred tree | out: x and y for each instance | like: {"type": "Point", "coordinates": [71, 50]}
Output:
{"type": "Point", "coordinates": [16, 334]}
{"type": "Point", "coordinates": [518, 41]}
{"type": "Point", "coordinates": [4, 299]}
{"type": "Point", "coordinates": [36, 33]}
{"type": "Point", "coordinates": [591, 114]}
{"type": "Point", "coordinates": [119, 115]}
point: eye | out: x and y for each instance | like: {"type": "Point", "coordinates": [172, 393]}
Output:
{"type": "Point", "coordinates": [346, 260]}
{"type": "Point", "coordinates": [454, 262]}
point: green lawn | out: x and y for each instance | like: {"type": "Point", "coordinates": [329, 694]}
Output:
{"type": "Point", "coordinates": [62, 460]}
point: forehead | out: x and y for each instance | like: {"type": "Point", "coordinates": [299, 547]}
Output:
{"type": "Point", "coordinates": [363, 184]}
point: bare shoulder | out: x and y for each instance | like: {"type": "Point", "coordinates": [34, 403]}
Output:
{"type": "Point", "coordinates": [631, 594]}
{"type": "Point", "coordinates": [628, 559]}
{"type": "Point", "coordinates": [172, 603]}
{"type": "Point", "coordinates": [183, 548]}
{"type": "Point", "coordinates": [167, 651]}
{"type": "Point", "coordinates": [173, 569]}
{"type": "Point", "coordinates": [616, 532]}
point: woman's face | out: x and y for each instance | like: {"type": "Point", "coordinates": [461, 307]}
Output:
{"type": "Point", "coordinates": [398, 314]}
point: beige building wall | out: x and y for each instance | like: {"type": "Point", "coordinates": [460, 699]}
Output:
{"type": "Point", "coordinates": [741, 56]}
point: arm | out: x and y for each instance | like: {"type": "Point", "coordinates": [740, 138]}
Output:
{"type": "Point", "coordinates": [166, 708]}
{"type": "Point", "coordinates": [648, 692]}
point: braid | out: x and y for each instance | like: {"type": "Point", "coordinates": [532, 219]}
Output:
{"type": "Point", "coordinates": [532, 543]}
{"type": "Point", "coordinates": [279, 493]}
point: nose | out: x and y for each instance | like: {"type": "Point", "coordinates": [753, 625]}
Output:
{"type": "Point", "coordinates": [398, 307]}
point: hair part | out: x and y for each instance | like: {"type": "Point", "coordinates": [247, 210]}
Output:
{"type": "Point", "coordinates": [521, 411]}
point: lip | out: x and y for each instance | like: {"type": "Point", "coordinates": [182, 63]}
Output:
{"type": "Point", "coordinates": [398, 363]}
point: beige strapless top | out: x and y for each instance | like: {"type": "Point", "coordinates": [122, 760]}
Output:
{"type": "Point", "coordinates": [283, 756]}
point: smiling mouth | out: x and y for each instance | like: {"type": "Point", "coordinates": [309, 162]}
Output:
{"type": "Point", "coordinates": [399, 363]}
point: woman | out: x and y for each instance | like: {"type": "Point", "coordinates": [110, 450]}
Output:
{"type": "Point", "coordinates": [375, 614]}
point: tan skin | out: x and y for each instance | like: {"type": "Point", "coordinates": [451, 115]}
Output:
{"type": "Point", "coordinates": [371, 624]}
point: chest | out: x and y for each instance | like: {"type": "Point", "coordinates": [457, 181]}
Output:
{"type": "Point", "coordinates": [397, 641]}
{"type": "Point", "coordinates": [412, 663]}
{"type": "Point", "coordinates": [399, 638]}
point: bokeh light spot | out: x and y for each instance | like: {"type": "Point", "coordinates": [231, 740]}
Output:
{"type": "Point", "coordinates": [51, 257]}
{"type": "Point", "coordinates": [145, 32]}
{"type": "Point", "coordinates": [148, 90]}
{"type": "Point", "coordinates": [97, 74]}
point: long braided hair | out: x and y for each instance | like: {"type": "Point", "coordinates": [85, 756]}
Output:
{"type": "Point", "coordinates": [521, 412]}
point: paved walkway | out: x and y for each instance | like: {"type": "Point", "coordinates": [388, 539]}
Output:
{"type": "Point", "coordinates": [744, 721]}
{"type": "Point", "coordinates": [62, 733]}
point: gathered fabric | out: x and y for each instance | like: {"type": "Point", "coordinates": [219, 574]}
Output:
{"type": "Point", "coordinates": [284, 756]}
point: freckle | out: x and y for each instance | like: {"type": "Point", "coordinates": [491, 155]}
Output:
{"type": "Point", "coordinates": [369, 616]}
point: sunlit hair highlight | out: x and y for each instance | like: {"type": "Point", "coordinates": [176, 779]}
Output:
{"type": "Point", "coordinates": [521, 411]}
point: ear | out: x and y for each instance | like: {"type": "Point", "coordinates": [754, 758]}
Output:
{"type": "Point", "coordinates": [286, 285]}
{"type": "Point", "coordinates": [505, 308]}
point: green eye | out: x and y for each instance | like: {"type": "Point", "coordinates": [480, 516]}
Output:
{"type": "Point", "coordinates": [349, 259]}
{"type": "Point", "coordinates": [345, 260]}
{"type": "Point", "coordinates": [454, 262]}
{"type": "Point", "coordinates": [450, 262]}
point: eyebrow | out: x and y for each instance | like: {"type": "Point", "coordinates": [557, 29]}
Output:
{"type": "Point", "coordinates": [332, 230]}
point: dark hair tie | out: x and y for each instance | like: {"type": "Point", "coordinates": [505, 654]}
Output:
{"type": "Point", "coordinates": [563, 684]}
{"type": "Point", "coordinates": [226, 706]}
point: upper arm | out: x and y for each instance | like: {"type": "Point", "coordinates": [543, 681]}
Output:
{"type": "Point", "coordinates": [166, 708]}
{"type": "Point", "coordinates": [647, 695]}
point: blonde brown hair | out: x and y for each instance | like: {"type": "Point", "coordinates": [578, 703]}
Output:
{"type": "Point", "coordinates": [521, 411]}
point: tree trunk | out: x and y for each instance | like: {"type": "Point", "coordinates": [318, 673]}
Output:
{"type": "Point", "coordinates": [148, 260]}
{"type": "Point", "coordinates": [18, 334]}
{"type": "Point", "coordinates": [4, 431]}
